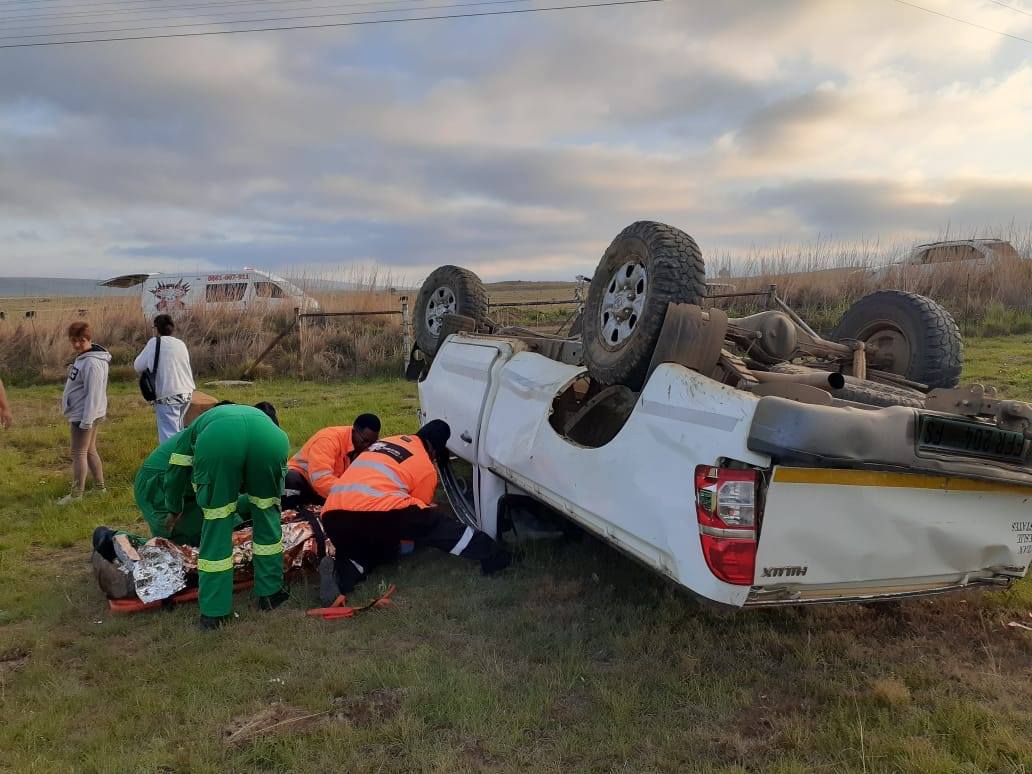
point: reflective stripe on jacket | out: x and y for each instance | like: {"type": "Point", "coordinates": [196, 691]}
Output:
{"type": "Point", "coordinates": [324, 457]}
{"type": "Point", "coordinates": [393, 473]}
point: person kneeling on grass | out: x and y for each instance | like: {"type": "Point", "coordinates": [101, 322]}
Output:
{"type": "Point", "coordinates": [325, 456]}
{"type": "Point", "coordinates": [184, 527]}
{"type": "Point", "coordinates": [384, 497]}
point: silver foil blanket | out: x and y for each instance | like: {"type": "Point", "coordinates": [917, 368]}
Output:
{"type": "Point", "coordinates": [160, 572]}
{"type": "Point", "coordinates": [164, 566]}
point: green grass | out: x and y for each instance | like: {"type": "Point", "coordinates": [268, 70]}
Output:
{"type": "Point", "coordinates": [575, 660]}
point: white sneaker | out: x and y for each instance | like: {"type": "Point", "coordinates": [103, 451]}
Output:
{"type": "Point", "coordinates": [69, 498]}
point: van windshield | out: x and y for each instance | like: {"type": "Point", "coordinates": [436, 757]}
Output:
{"type": "Point", "coordinates": [290, 288]}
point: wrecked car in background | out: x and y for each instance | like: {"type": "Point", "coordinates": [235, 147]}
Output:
{"type": "Point", "coordinates": [965, 255]}
{"type": "Point", "coordinates": [751, 461]}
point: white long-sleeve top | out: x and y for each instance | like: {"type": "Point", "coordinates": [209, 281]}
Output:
{"type": "Point", "coordinates": [174, 374]}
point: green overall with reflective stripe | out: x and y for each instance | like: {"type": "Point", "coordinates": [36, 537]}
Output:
{"type": "Point", "coordinates": [229, 451]}
{"type": "Point", "coordinates": [149, 491]}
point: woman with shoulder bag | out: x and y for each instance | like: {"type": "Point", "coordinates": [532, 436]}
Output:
{"type": "Point", "coordinates": [167, 360]}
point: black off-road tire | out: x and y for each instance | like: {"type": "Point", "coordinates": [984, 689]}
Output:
{"type": "Point", "coordinates": [675, 273]}
{"type": "Point", "coordinates": [470, 300]}
{"type": "Point", "coordinates": [936, 353]}
{"type": "Point", "coordinates": [862, 390]}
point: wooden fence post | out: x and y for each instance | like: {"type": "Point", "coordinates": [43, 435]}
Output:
{"type": "Point", "coordinates": [406, 330]}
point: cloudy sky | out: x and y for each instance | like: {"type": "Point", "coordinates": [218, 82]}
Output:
{"type": "Point", "coordinates": [517, 145]}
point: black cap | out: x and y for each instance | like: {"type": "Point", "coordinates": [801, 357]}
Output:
{"type": "Point", "coordinates": [269, 410]}
{"type": "Point", "coordinates": [436, 434]}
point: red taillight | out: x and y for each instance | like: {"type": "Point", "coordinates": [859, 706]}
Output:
{"type": "Point", "coordinates": [727, 505]}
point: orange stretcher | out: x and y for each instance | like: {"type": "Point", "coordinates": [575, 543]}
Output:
{"type": "Point", "coordinates": [186, 595]}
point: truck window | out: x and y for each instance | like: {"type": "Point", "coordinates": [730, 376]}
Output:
{"type": "Point", "coordinates": [268, 290]}
{"type": "Point", "coordinates": [224, 292]}
{"type": "Point", "coordinates": [591, 415]}
{"type": "Point", "coordinates": [1005, 250]}
{"type": "Point", "coordinates": [951, 254]}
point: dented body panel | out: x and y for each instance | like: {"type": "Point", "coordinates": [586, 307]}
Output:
{"type": "Point", "coordinates": [855, 533]}
{"type": "Point", "coordinates": [827, 534]}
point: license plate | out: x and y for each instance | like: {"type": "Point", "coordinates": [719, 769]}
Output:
{"type": "Point", "coordinates": [970, 439]}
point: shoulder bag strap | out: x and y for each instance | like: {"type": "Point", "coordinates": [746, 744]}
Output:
{"type": "Point", "coordinates": [157, 351]}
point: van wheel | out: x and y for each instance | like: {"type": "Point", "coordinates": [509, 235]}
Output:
{"type": "Point", "coordinates": [913, 335]}
{"type": "Point", "coordinates": [647, 267]}
{"type": "Point", "coordinates": [449, 290]}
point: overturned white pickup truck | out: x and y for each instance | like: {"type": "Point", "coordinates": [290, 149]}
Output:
{"type": "Point", "coordinates": [750, 461]}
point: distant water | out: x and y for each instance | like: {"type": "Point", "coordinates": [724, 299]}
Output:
{"type": "Point", "coordinates": [57, 287]}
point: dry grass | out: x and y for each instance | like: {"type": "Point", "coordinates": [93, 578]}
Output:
{"type": "Point", "coordinates": [222, 343]}
{"type": "Point", "coordinates": [822, 279]}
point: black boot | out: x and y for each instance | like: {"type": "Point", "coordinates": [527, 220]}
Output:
{"type": "Point", "coordinates": [209, 623]}
{"type": "Point", "coordinates": [272, 601]}
{"type": "Point", "coordinates": [329, 589]}
{"type": "Point", "coordinates": [348, 574]}
{"type": "Point", "coordinates": [496, 562]}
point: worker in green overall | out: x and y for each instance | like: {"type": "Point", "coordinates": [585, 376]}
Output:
{"type": "Point", "coordinates": [228, 451]}
{"type": "Point", "coordinates": [149, 492]}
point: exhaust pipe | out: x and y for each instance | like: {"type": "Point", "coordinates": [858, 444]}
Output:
{"type": "Point", "coordinates": [829, 381]}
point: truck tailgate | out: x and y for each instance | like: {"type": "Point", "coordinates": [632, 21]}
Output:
{"type": "Point", "coordinates": [833, 534]}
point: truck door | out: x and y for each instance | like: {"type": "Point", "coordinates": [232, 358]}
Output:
{"type": "Point", "coordinates": [456, 390]}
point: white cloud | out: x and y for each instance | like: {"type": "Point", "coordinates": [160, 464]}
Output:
{"type": "Point", "coordinates": [517, 146]}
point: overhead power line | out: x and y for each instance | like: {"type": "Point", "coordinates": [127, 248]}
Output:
{"type": "Point", "coordinates": [263, 20]}
{"type": "Point", "coordinates": [125, 9]}
{"type": "Point", "coordinates": [326, 25]}
{"type": "Point", "coordinates": [1011, 7]}
{"type": "Point", "coordinates": [963, 21]}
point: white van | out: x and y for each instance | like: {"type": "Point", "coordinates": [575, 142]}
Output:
{"type": "Point", "coordinates": [171, 293]}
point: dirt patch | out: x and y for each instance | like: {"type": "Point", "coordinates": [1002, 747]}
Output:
{"type": "Point", "coordinates": [552, 597]}
{"type": "Point", "coordinates": [362, 710]}
{"type": "Point", "coordinates": [571, 706]}
{"type": "Point", "coordinates": [57, 557]}
{"type": "Point", "coordinates": [381, 704]}
{"type": "Point", "coordinates": [274, 718]}
{"type": "Point", "coordinates": [551, 590]}
{"type": "Point", "coordinates": [478, 756]}
{"type": "Point", "coordinates": [12, 661]}
{"type": "Point", "coordinates": [760, 720]}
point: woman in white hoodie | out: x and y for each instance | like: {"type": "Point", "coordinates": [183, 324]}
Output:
{"type": "Point", "coordinates": [173, 382]}
{"type": "Point", "coordinates": [84, 404]}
